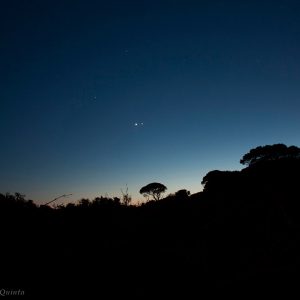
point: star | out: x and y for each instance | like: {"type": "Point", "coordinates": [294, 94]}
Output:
{"type": "Point", "coordinates": [138, 124]}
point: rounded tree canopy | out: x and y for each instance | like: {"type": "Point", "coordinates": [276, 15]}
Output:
{"type": "Point", "coordinates": [153, 189]}
{"type": "Point", "coordinates": [269, 152]}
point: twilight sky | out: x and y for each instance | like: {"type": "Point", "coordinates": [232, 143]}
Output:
{"type": "Point", "coordinates": [209, 80]}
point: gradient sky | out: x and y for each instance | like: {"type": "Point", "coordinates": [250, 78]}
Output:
{"type": "Point", "coordinates": [209, 80]}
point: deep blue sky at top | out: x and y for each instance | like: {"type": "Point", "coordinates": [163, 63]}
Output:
{"type": "Point", "coordinates": [209, 80]}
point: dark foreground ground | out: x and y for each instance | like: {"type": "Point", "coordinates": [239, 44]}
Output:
{"type": "Point", "coordinates": [147, 261]}
{"type": "Point", "coordinates": [238, 239]}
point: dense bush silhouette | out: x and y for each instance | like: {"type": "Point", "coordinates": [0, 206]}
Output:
{"type": "Point", "coordinates": [240, 234]}
{"type": "Point", "coordinates": [16, 201]}
{"type": "Point", "coordinates": [183, 194]}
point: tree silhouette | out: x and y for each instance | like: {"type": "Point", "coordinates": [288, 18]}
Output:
{"type": "Point", "coordinates": [153, 189]}
{"type": "Point", "coordinates": [269, 152]}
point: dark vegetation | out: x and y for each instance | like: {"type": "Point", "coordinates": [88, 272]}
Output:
{"type": "Point", "coordinates": [239, 236]}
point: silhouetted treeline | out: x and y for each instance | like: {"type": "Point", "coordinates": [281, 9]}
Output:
{"type": "Point", "coordinates": [240, 234]}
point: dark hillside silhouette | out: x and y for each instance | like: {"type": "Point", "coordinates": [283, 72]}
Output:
{"type": "Point", "coordinates": [240, 235]}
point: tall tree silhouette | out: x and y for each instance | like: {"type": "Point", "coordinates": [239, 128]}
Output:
{"type": "Point", "coordinates": [153, 189]}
